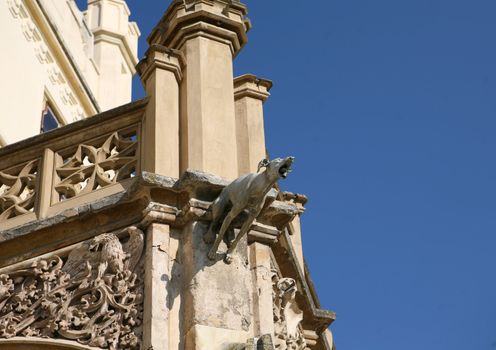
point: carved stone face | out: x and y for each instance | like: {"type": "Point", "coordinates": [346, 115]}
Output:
{"type": "Point", "coordinates": [279, 167]}
{"type": "Point", "coordinates": [287, 288]}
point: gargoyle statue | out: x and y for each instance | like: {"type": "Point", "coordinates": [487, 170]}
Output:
{"type": "Point", "coordinates": [246, 193]}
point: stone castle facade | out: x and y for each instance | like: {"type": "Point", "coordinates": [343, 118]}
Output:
{"type": "Point", "coordinates": [137, 226]}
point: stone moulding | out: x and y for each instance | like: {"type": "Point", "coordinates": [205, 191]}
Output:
{"type": "Point", "coordinates": [175, 24]}
{"type": "Point", "coordinates": [93, 296]}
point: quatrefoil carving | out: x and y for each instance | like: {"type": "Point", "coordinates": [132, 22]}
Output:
{"type": "Point", "coordinates": [92, 167]}
{"type": "Point", "coordinates": [17, 191]}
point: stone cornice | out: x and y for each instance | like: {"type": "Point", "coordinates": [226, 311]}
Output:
{"type": "Point", "coordinates": [161, 57]}
{"type": "Point", "coordinates": [146, 199]}
{"type": "Point", "coordinates": [180, 19]}
{"type": "Point", "coordinates": [103, 35]}
{"type": "Point", "coordinates": [209, 31]}
{"type": "Point", "coordinates": [248, 85]}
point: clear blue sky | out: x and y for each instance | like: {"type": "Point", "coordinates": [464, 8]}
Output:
{"type": "Point", "coordinates": [390, 109]}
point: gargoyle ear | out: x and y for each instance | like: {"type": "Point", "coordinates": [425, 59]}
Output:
{"type": "Point", "coordinates": [263, 163]}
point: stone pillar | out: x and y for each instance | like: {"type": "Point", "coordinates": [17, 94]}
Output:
{"type": "Point", "coordinates": [161, 74]}
{"type": "Point", "coordinates": [262, 288]}
{"type": "Point", "coordinates": [210, 34]}
{"type": "Point", "coordinates": [249, 94]}
{"type": "Point", "coordinates": [156, 320]}
{"type": "Point", "coordinates": [216, 299]}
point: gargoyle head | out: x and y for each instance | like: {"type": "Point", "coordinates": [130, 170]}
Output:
{"type": "Point", "coordinates": [287, 288]}
{"type": "Point", "coordinates": [277, 168]}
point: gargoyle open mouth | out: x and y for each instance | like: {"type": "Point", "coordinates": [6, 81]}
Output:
{"type": "Point", "coordinates": [285, 169]}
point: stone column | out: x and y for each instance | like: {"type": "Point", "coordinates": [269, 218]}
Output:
{"type": "Point", "coordinates": [210, 34]}
{"type": "Point", "coordinates": [249, 94]}
{"type": "Point", "coordinates": [217, 310]}
{"type": "Point", "coordinates": [262, 287]}
{"type": "Point", "coordinates": [161, 74]}
{"type": "Point", "coordinates": [156, 320]}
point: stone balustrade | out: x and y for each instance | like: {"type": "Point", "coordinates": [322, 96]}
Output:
{"type": "Point", "coordinates": [75, 164]}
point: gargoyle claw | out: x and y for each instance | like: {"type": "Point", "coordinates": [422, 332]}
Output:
{"type": "Point", "coordinates": [212, 255]}
{"type": "Point", "coordinates": [228, 259]}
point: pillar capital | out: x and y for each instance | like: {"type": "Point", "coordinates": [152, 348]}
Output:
{"type": "Point", "coordinates": [219, 20]}
{"type": "Point", "coordinates": [248, 85]}
{"type": "Point", "coordinates": [161, 57]}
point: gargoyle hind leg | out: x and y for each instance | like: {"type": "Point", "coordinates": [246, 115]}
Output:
{"type": "Point", "coordinates": [209, 237]}
{"type": "Point", "coordinates": [242, 231]}
{"type": "Point", "coordinates": [225, 225]}
{"type": "Point", "coordinates": [218, 208]}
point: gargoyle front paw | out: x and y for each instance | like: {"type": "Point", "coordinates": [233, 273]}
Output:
{"type": "Point", "coordinates": [209, 237]}
{"type": "Point", "coordinates": [212, 255]}
{"type": "Point", "coordinates": [228, 259]}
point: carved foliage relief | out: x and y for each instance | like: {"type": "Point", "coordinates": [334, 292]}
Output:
{"type": "Point", "coordinates": [287, 315]}
{"type": "Point", "coordinates": [17, 190]}
{"type": "Point", "coordinates": [93, 166]}
{"type": "Point", "coordinates": [93, 296]}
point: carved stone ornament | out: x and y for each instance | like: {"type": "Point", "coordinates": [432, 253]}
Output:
{"type": "Point", "coordinates": [247, 193]}
{"type": "Point", "coordinates": [17, 190]}
{"type": "Point", "coordinates": [287, 315]}
{"type": "Point", "coordinates": [92, 167]}
{"type": "Point", "coordinates": [94, 296]}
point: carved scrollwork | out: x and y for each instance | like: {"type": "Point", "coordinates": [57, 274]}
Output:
{"type": "Point", "coordinates": [92, 167]}
{"type": "Point", "coordinates": [287, 315]}
{"type": "Point", "coordinates": [17, 190]}
{"type": "Point", "coordinates": [94, 297]}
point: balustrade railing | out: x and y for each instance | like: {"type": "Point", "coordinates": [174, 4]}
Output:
{"type": "Point", "coordinates": [70, 166]}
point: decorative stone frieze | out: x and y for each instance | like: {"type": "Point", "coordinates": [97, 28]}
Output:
{"type": "Point", "coordinates": [93, 296]}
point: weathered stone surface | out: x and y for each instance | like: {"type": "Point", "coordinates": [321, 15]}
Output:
{"type": "Point", "coordinates": [94, 296]}
{"type": "Point", "coordinates": [212, 338]}
{"type": "Point", "coordinates": [287, 315]}
{"type": "Point", "coordinates": [216, 295]}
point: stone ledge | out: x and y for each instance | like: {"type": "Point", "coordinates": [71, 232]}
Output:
{"type": "Point", "coordinates": [188, 199]}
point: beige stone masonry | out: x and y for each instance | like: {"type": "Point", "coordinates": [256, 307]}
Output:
{"type": "Point", "coordinates": [262, 292]}
{"type": "Point", "coordinates": [210, 34]}
{"type": "Point", "coordinates": [115, 48]}
{"type": "Point", "coordinates": [161, 72]}
{"type": "Point", "coordinates": [156, 327]}
{"type": "Point", "coordinates": [250, 93]}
